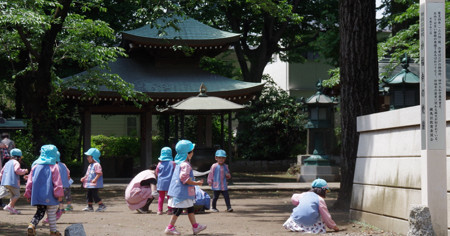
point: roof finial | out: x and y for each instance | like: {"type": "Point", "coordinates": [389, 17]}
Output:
{"type": "Point", "coordinates": [202, 91]}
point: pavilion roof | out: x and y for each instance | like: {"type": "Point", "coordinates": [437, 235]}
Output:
{"type": "Point", "coordinates": [190, 32]}
{"type": "Point", "coordinates": [175, 80]}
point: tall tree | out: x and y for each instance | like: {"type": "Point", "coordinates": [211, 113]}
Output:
{"type": "Point", "coordinates": [39, 39]}
{"type": "Point", "coordinates": [359, 81]}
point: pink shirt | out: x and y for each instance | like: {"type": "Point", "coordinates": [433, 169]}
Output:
{"type": "Point", "coordinates": [137, 195]}
{"type": "Point", "coordinates": [323, 209]}
{"type": "Point", "coordinates": [17, 170]}
{"type": "Point", "coordinates": [185, 170]}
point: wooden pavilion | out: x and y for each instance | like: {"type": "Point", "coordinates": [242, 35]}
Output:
{"type": "Point", "coordinates": [167, 75]}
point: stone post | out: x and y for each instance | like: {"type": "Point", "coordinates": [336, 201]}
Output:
{"type": "Point", "coordinates": [433, 121]}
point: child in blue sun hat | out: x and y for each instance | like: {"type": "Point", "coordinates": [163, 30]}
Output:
{"type": "Point", "coordinates": [93, 180]}
{"type": "Point", "coordinates": [44, 189]}
{"type": "Point", "coordinates": [164, 171]}
{"type": "Point", "coordinates": [311, 213]}
{"type": "Point", "coordinates": [217, 179]}
{"type": "Point", "coordinates": [10, 180]}
{"type": "Point", "coordinates": [182, 188]}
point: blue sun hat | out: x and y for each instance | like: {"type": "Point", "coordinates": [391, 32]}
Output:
{"type": "Point", "coordinates": [48, 155]}
{"type": "Point", "coordinates": [95, 153]}
{"type": "Point", "coordinates": [320, 183]}
{"type": "Point", "coordinates": [58, 155]}
{"type": "Point", "coordinates": [166, 154]}
{"type": "Point", "coordinates": [15, 152]}
{"type": "Point", "coordinates": [221, 153]}
{"type": "Point", "coordinates": [182, 148]}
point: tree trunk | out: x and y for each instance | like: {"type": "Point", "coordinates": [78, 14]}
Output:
{"type": "Point", "coordinates": [359, 82]}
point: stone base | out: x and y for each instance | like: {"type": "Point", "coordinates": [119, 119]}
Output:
{"type": "Point", "coordinates": [310, 173]}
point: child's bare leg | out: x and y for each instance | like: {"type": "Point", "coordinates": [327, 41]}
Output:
{"type": "Point", "coordinates": [12, 202]}
{"type": "Point", "coordinates": [173, 220]}
{"type": "Point", "coordinates": [191, 217]}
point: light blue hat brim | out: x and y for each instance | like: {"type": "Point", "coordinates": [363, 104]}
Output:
{"type": "Point", "coordinates": [221, 153]}
{"type": "Point", "coordinates": [95, 153]}
{"type": "Point", "coordinates": [48, 155]}
{"type": "Point", "coordinates": [183, 147]}
{"type": "Point", "coordinates": [166, 154]}
{"type": "Point", "coordinates": [15, 152]}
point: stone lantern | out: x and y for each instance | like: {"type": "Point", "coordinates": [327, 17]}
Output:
{"type": "Point", "coordinates": [403, 87]}
{"type": "Point", "coordinates": [320, 138]}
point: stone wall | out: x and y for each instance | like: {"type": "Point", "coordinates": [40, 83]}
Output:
{"type": "Point", "coordinates": [388, 172]}
{"type": "Point", "coordinates": [261, 166]}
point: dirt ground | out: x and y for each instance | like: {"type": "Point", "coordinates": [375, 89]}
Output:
{"type": "Point", "coordinates": [255, 213]}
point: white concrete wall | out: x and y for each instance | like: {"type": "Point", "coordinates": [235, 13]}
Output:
{"type": "Point", "coordinates": [387, 174]}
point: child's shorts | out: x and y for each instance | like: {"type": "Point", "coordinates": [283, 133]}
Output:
{"type": "Point", "coordinates": [9, 191]}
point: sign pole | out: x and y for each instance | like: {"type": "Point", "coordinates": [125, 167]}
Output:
{"type": "Point", "coordinates": [432, 103]}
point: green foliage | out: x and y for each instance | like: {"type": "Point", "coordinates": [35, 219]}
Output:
{"type": "Point", "coordinates": [23, 142]}
{"type": "Point", "coordinates": [334, 78]}
{"type": "Point", "coordinates": [272, 126]}
{"type": "Point", "coordinates": [116, 147]}
{"type": "Point", "coordinates": [125, 147]}
{"type": "Point", "coordinates": [407, 40]}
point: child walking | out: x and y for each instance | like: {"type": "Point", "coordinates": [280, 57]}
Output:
{"type": "Point", "coordinates": [44, 189]}
{"type": "Point", "coordinates": [93, 180]}
{"type": "Point", "coordinates": [217, 179]}
{"type": "Point", "coordinates": [164, 171]}
{"type": "Point", "coordinates": [10, 180]}
{"type": "Point", "coordinates": [141, 191]}
{"type": "Point", "coordinates": [65, 177]}
{"type": "Point", "coordinates": [182, 189]}
{"type": "Point", "coordinates": [311, 214]}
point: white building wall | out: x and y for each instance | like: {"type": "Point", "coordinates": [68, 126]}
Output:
{"type": "Point", "coordinates": [387, 178]}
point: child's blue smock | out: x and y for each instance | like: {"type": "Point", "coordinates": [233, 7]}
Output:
{"type": "Point", "coordinates": [307, 211]}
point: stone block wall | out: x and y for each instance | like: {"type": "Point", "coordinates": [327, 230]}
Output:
{"type": "Point", "coordinates": [388, 172]}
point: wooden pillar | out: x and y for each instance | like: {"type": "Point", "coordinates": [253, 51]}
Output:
{"type": "Point", "coordinates": [146, 139]}
{"type": "Point", "coordinates": [176, 128]}
{"type": "Point", "coordinates": [182, 126]}
{"type": "Point", "coordinates": [230, 136]}
{"type": "Point", "coordinates": [166, 129]}
{"type": "Point", "coordinates": [86, 123]}
{"type": "Point", "coordinates": [222, 132]}
{"type": "Point", "coordinates": [208, 131]}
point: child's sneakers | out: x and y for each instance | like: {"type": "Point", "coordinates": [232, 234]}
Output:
{"type": "Point", "coordinates": [31, 230]}
{"type": "Point", "coordinates": [69, 208]}
{"type": "Point", "coordinates": [159, 213]}
{"type": "Point", "coordinates": [198, 229]}
{"type": "Point", "coordinates": [55, 233]}
{"type": "Point", "coordinates": [88, 208]}
{"type": "Point", "coordinates": [172, 231]}
{"type": "Point", "coordinates": [214, 210]}
{"type": "Point", "coordinates": [101, 208]}
{"type": "Point", "coordinates": [230, 209]}
{"type": "Point", "coordinates": [142, 211]}
{"type": "Point", "coordinates": [11, 210]}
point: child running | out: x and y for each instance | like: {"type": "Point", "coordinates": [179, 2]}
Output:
{"type": "Point", "coordinates": [311, 214]}
{"type": "Point", "coordinates": [65, 177]}
{"type": "Point", "coordinates": [217, 179]}
{"type": "Point", "coordinates": [164, 171]}
{"type": "Point", "coordinates": [93, 180]}
{"type": "Point", "coordinates": [182, 189]}
{"type": "Point", "coordinates": [10, 180]}
{"type": "Point", "coordinates": [44, 189]}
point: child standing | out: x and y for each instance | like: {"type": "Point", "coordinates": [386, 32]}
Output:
{"type": "Point", "coordinates": [44, 189]}
{"type": "Point", "coordinates": [217, 179]}
{"type": "Point", "coordinates": [164, 171]}
{"type": "Point", "coordinates": [10, 180]}
{"type": "Point", "coordinates": [93, 180]}
{"type": "Point", "coordinates": [182, 189]}
{"type": "Point", "coordinates": [141, 191]}
{"type": "Point", "coordinates": [311, 214]}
